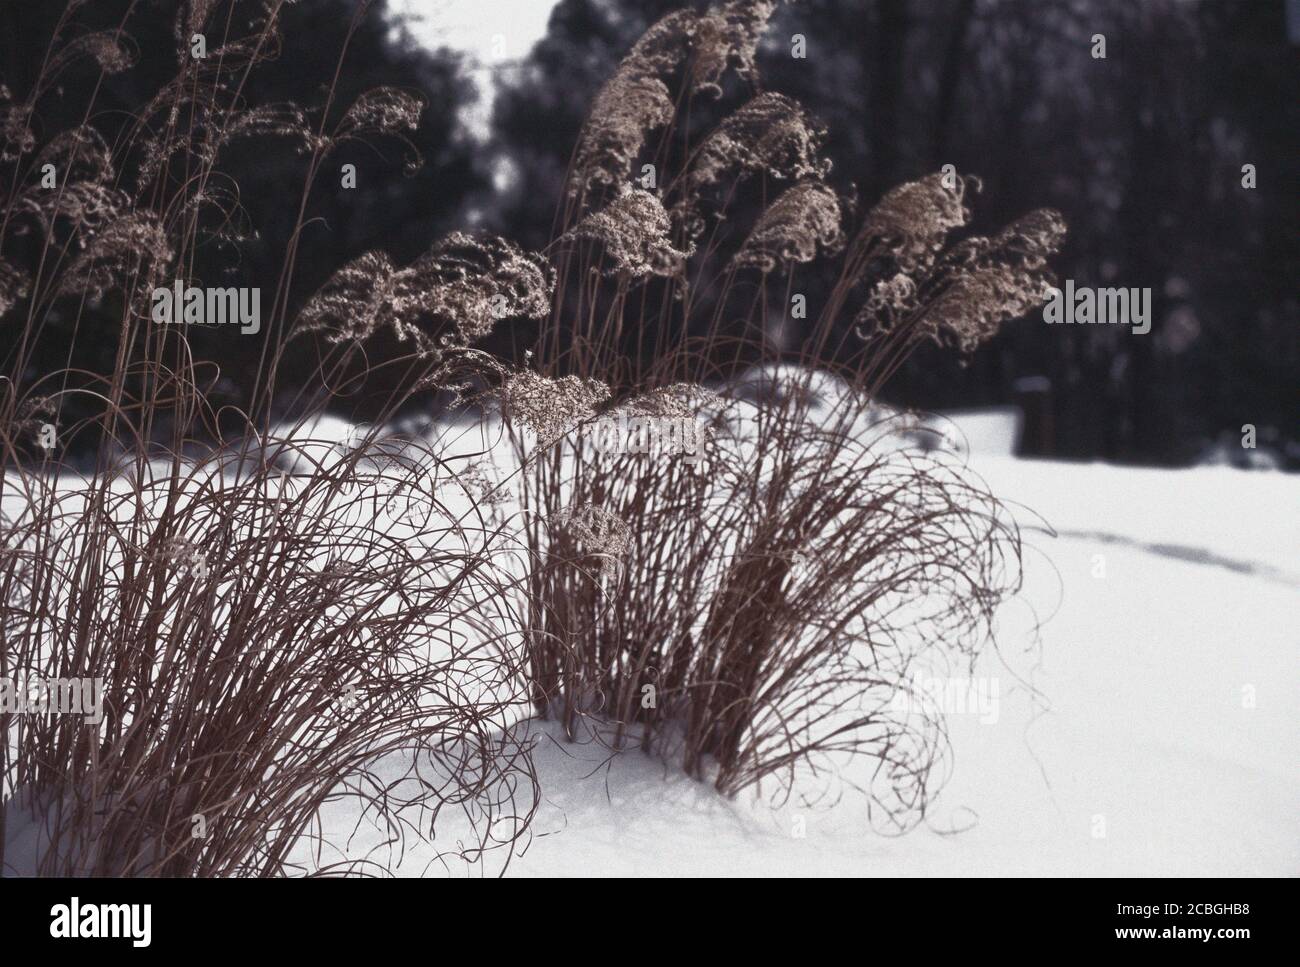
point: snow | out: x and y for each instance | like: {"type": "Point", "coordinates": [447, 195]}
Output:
{"type": "Point", "coordinates": [993, 431]}
{"type": "Point", "coordinates": [1167, 650]}
{"type": "Point", "coordinates": [1158, 628]}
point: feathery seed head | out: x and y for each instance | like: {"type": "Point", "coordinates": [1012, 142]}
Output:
{"type": "Point", "coordinates": [550, 407]}
{"type": "Point", "coordinates": [456, 291]}
{"type": "Point", "coordinates": [14, 285]}
{"type": "Point", "coordinates": [726, 35]}
{"type": "Point", "coordinates": [912, 220]}
{"type": "Point", "coordinates": [132, 250]}
{"type": "Point", "coordinates": [803, 220]}
{"type": "Point", "coordinates": [771, 136]}
{"type": "Point", "coordinates": [634, 231]}
{"type": "Point", "coordinates": [599, 533]}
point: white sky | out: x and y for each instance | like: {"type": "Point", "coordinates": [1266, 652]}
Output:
{"type": "Point", "coordinates": [494, 33]}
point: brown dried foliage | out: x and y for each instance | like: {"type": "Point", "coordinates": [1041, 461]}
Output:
{"type": "Point", "coordinates": [761, 595]}
{"type": "Point", "coordinates": [228, 605]}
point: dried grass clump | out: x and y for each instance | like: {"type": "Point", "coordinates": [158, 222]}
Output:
{"type": "Point", "coordinates": [265, 643]}
{"type": "Point", "coordinates": [215, 120]}
{"type": "Point", "coordinates": [270, 640]}
{"type": "Point", "coordinates": [770, 603]}
{"type": "Point", "coordinates": [636, 101]}
{"type": "Point", "coordinates": [30, 417]}
{"type": "Point", "coordinates": [84, 199]}
{"type": "Point", "coordinates": [472, 283]}
{"type": "Point", "coordinates": [629, 107]}
{"type": "Point", "coordinates": [191, 18]}
{"type": "Point", "coordinates": [357, 301]}
{"type": "Point", "coordinates": [274, 618]}
{"type": "Point", "coordinates": [267, 121]}
{"type": "Point", "coordinates": [775, 605]}
{"type": "Point", "coordinates": [482, 485]}
{"type": "Point", "coordinates": [84, 207]}
{"type": "Point", "coordinates": [771, 136]}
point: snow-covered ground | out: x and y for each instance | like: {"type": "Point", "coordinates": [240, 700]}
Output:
{"type": "Point", "coordinates": [1166, 614]}
{"type": "Point", "coordinates": [1160, 627]}
{"type": "Point", "coordinates": [1171, 747]}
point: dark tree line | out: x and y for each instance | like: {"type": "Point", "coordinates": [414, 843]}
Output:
{"type": "Point", "coordinates": [1142, 151]}
{"type": "Point", "coordinates": [390, 208]}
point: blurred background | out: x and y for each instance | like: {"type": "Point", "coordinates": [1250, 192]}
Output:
{"type": "Point", "coordinates": [1142, 151]}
